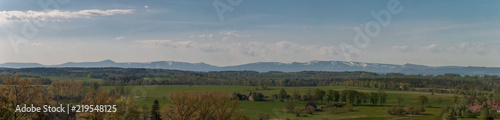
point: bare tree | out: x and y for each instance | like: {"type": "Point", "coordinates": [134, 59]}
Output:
{"type": "Point", "coordinates": [16, 93]}
{"type": "Point", "coordinates": [201, 106]}
{"type": "Point", "coordinates": [96, 97]}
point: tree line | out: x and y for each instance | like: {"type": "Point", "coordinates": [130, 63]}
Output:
{"type": "Point", "coordinates": [202, 105]}
{"type": "Point", "coordinates": [446, 83]}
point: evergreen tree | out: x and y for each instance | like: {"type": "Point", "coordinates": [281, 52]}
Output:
{"type": "Point", "coordinates": [95, 86]}
{"type": "Point", "coordinates": [154, 112]}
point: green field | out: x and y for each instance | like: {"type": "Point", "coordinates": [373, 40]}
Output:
{"type": "Point", "coordinates": [275, 108]}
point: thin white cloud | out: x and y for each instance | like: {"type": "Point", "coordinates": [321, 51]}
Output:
{"type": "Point", "coordinates": [227, 35]}
{"type": "Point", "coordinates": [8, 16]}
{"type": "Point", "coordinates": [119, 38]}
{"type": "Point", "coordinates": [474, 47]}
{"type": "Point", "coordinates": [154, 43]}
{"type": "Point", "coordinates": [282, 48]}
{"type": "Point", "coordinates": [403, 48]}
{"type": "Point", "coordinates": [433, 48]}
{"type": "Point", "coordinates": [207, 36]}
{"type": "Point", "coordinates": [95, 12]}
{"type": "Point", "coordinates": [146, 6]}
{"type": "Point", "coordinates": [223, 35]}
{"type": "Point", "coordinates": [202, 36]}
{"type": "Point", "coordinates": [35, 44]}
{"type": "Point", "coordinates": [230, 33]}
{"type": "Point", "coordinates": [465, 47]}
{"type": "Point", "coordinates": [225, 38]}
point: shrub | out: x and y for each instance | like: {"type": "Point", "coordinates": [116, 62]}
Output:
{"type": "Point", "coordinates": [263, 116]}
{"type": "Point", "coordinates": [415, 110]}
{"type": "Point", "coordinates": [348, 107]}
{"type": "Point", "coordinates": [240, 96]}
{"type": "Point", "coordinates": [335, 110]}
{"type": "Point", "coordinates": [310, 109]}
{"type": "Point", "coordinates": [297, 111]}
{"type": "Point", "coordinates": [339, 107]}
{"type": "Point", "coordinates": [449, 116]}
{"type": "Point", "coordinates": [335, 104]}
{"type": "Point", "coordinates": [289, 106]}
{"type": "Point", "coordinates": [396, 111]}
{"type": "Point", "coordinates": [257, 96]}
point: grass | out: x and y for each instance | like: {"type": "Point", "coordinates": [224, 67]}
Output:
{"type": "Point", "coordinates": [147, 95]}
{"type": "Point", "coordinates": [275, 109]}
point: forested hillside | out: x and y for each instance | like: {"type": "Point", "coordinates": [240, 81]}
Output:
{"type": "Point", "coordinates": [132, 76]}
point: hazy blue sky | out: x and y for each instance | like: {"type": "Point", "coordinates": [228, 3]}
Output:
{"type": "Point", "coordinates": [428, 32]}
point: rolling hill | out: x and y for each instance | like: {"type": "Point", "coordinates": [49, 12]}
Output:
{"type": "Point", "coordinates": [277, 66]}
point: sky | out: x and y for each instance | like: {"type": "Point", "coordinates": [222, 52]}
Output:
{"type": "Point", "coordinates": [233, 32]}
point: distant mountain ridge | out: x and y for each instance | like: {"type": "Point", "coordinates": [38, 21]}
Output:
{"type": "Point", "coordinates": [277, 66]}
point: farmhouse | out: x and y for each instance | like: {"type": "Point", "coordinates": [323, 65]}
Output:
{"type": "Point", "coordinates": [250, 97]}
{"type": "Point", "coordinates": [477, 108]}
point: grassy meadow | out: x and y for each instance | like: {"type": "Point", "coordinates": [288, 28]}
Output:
{"type": "Point", "coordinates": [146, 95]}
{"type": "Point", "coordinates": [275, 108]}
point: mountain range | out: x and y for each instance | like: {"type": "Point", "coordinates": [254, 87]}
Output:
{"type": "Point", "coordinates": [277, 66]}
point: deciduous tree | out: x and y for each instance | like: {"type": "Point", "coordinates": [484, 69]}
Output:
{"type": "Point", "coordinates": [374, 98]}
{"type": "Point", "coordinates": [96, 97]}
{"type": "Point", "coordinates": [454, 99]}
{"type": "Point", "coordinates": [201, 106]}
{"type": "Point", "coordinates": [282, 94]}
{"type": "Point", "coordinates": [309, 109]}
{"type": "Point", "coordinates": [144, 112]}
{"type": "Point", "coordinates": [67, 89]}
{"type": "Point", "coordinates": [263, 116]}
{"type": "Point", "coordinates": [319, 94]}
{"type": "Point", "coordinates": [289, 106]}
{"type": "Point", "coordinates": [17, 91]}
{"type": "Point", "coordinates": [297, 111]}
{"type": "Point", "coordinates": [296, 95]}
{"type": "Point", "coordinates": [400, 99]}
{"type": "Point", "coordinates": [422, 99]}
{"type": "Point", "coordinates": [383, 97]}
{"type": "Point", "coordinates": [127, 109]}
{"type": "Point", "coordinates": [330, 95]}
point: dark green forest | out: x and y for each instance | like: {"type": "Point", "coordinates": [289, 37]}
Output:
{"type": "Point", "coordinates": [68, 86]}
{"type": "Point", "coordinates": [446, 83]}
